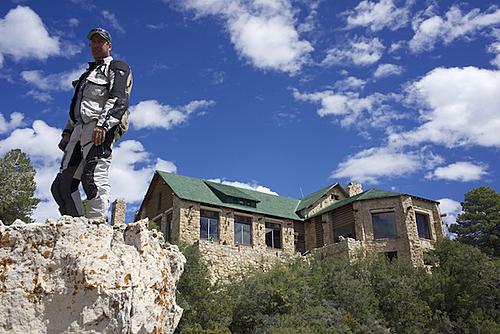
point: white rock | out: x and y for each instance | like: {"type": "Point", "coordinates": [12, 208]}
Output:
{"type": "Point", "coordinates": [77, 276]}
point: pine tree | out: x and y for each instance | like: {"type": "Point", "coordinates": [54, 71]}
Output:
{"type": "Point", "coordinates": [17, 187]}
{"type": "Point", "coordinates": [479, 223]}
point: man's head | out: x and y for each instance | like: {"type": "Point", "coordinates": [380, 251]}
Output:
{"type": "Point", "coordinates": [100, 43]}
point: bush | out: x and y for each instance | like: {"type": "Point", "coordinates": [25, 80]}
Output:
{"type": "Point", "coordinates": [332, 295]}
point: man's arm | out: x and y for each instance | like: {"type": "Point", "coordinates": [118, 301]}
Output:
{"type": "Point", "coordinates": [117, 103]}
{"type": "Point", "coordinates": [66, 134]}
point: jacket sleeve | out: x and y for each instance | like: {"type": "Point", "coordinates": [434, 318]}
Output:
{"type": "Point", "coordinates": [119, 92]}
{"type": "Point", "coordinates": [68, 129]}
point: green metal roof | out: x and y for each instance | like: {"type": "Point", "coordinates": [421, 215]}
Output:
{"type": "Point", "coordinates": [365, 195]}
{"type": "Point", "coordinates": [230, 190]}
{"type": "Point", "coordinates": [198, 190]}
{"type": "Point", "coordinates": [311, 198]}
{"type": "Point", "coordinates": [202, 191]}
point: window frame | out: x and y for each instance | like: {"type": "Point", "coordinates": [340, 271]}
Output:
{"type": "Point", "coordinates": [374, 221]}
{"type": "Point", "coordinates": [273, 229]}
{"type": "Point", "coordinates": [247, 221]}
{"type": "Point", "coordinates": [427, 225]}
{"type": "Point", "coordinates": [210, 221]}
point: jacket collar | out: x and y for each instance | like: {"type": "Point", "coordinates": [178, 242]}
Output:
{"type": "Point", "coordinates": [97, 62]}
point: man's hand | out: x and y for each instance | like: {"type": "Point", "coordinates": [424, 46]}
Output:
{"type": "Point", "coordinates": [64, 141]}
{"type": "Point", "coordinates": [98, 135]}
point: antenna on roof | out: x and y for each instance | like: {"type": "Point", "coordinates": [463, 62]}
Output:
{"type": "Point", "coordinates": [301, 192]}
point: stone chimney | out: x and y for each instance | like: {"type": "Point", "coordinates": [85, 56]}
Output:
{"type": "Point", "coordinates": [118, 209]}
{"type": "Point", "coordinates": [354, 188]}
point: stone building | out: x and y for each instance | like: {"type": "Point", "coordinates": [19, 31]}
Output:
{"type": "Point", "coordinates": [237, 228]}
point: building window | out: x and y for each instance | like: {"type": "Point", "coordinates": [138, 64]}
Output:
{"type": "Point", "coordinates": [344, 231]}
{"type": "Point", "coordinates": [273, 235]}
{"type": "Point", "coordinates": [243, 230]}
{"type": "Point", "coordinates": [209, 225]}
{"type": "Point", "coordinates": [384, 225]}
{"type": "Point", "coordinates": [423, 225]}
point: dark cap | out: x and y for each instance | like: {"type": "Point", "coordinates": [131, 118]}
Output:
{"type": "Point", "coordinates": [101, 32]}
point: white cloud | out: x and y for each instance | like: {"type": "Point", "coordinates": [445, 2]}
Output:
{"type": "Point", "coordinates": [359, 51]}
{"type": "Point", "coordinates": [52, 82]}
{"type": "Point", "coordinates": [378, 15]}
{"type": "Point", "coordinates": [433, 29]}
{"type": "Point", "coordinates": [16, 120]}
{"type": "Point", "coordinates": [152, 114]}
{"type": "Point", "coordinates": [350, 83]}
{"type": "Point", "coordinates": [127, 179]}
{"type": "Point", "coordinates": [262, 31]}
{"type": "Point", "coordinates": [459, 106]}
{"type": "Point", "coordinates": [396, 46]}
{"type": "Point", "coordinates": [23, 35]}
{"type": "Point", "coordinates": [113, 21]}
{"type": "Point", "coordinates": [385, 70]}
{"type": "Point", "coordinates": [251, 185]}
{"type": "Point", "coordinates": [352, 109]}
{"type": "Point", "coordinates": [495, 49]}
{"type": "Point", "coordinates": [131, 169]}
{"type": "Point", "coordinates": [452, 209]}
{"type": "Point", "coordinates": [459, 171]}
{"type": "Point", "coordinates": [40, 96]}
{"type": "Point", "coordinates": [374, 163]}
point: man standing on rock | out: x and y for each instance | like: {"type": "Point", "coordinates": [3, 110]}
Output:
{"type": "Point", "coordinates": [98, 117]}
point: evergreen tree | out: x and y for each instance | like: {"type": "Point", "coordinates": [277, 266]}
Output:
{"type": "Point", "coordinates": [17, 187]}
{"type": "Point", "coordinates": [479, 224]}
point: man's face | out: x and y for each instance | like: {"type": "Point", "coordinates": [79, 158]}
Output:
{"type": "Point", "coordinates": [100, 47]}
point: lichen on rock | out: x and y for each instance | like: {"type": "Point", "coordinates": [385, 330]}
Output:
{"type": "Point", "coordinates": [81, 276]}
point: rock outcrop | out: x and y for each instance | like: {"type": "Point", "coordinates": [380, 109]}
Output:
{"type": "Point", "coordinates": [80, 276]}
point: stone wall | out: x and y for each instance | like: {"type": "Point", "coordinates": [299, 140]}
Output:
{"type": "Point", "coordinates": [347, 248]}
{"type": "Point", "coordinates": [332, 196]}
{"type": "Point", "coordinates": [187, 214]}
{"type": "Point", "coordinates": [407, 242]}
{"type": "Point", "coordinates": [152, 204]}
{"type": "Point", "coordinates": [228, 262]}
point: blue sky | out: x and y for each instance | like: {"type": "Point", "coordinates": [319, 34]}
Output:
{"type": "Point", "coordinates": [277, 95]}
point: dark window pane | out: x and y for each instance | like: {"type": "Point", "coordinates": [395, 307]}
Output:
{"type": "Point", "coordinates": [384, 225]}
{"type": "Point", "coordinates": [214, 229]}
{"type": "Point", "coordinates": [204, 228]}
{"type": "Point", "coordinates": [273, 235]}
{"type": "Point", "coordinates": [423, 225]}
{"type": "Point", "coordinates": [247, 234]}
{"type": "Point", "coordinates": [347, 231]}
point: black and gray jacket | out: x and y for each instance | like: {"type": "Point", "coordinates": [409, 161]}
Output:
{"type": "Point", "coordinates": [101, 94]}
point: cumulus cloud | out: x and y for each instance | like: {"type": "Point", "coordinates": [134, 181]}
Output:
{"type": "Point", "coordinates": [244, 185]}
{"type": "Point", "coordinates": [350, 83]}
{"type": "Point", "coordinates": [349, 108]}
{"type": "Point", "coordinates": [113, 21]}
{"type": "Point", "coordinates": [16, 120]}
{"type": "Point", "coordinates": [459, 106]}
{"type": "Point", "coordinates": [431, 29]}
{"type": "Point", "coordinates": [262, 32]}
{"type": "Point", "coordinates": [385, 70]}
{"type": "Point", "coordinates": [459, 171]}
{"type": "Point", "coordinates": [131, 169]}
{"type": "Point", "coordinates": [358, 51]}
{"type": "Point", "coordinates": [152, 114]}
{"type": "Point", "coordinates": [495, 49]}
{"type": "Point", "coordinates": [374, 163]}
{"type": "Point", "coordinates": [378, 15]}
{"type": "Point", "coordinates": [52, 82]}
{"type": "Point", "coordinates": [23, 36]}
{"type": "Point", "coordinates": [452, 209]}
